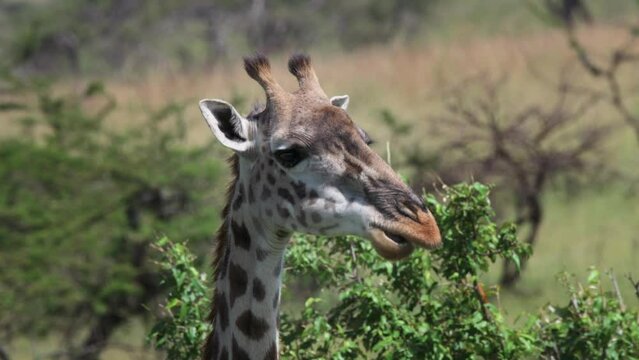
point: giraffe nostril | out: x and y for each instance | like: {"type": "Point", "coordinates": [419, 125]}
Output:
{"type": "Point", "coordinates": [408, 210]}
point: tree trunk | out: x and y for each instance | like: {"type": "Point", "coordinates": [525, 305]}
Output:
{"type": "Point", "coordinates": [122, 307]}
{"type": "Point", "coordinates": [534, 215]}
{"type": "Point", "coordinates": [99, 336]}
{"type": "Point", "coordinates": [3, 354]}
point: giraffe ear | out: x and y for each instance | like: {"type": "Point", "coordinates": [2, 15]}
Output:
{"type": "Point", "coordinates": [228, 126]}
{"type": "Point", "coordinates": [340, 101]}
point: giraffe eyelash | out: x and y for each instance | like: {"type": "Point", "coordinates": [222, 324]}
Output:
{"type": "Point", "coordinates": [367, 139]}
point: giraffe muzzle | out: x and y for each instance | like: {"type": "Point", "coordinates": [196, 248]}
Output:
{"type": "Point", "coordinates": [397, 239]}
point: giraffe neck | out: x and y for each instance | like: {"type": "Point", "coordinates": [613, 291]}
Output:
{"type": "Point", "coordinates": [246, 300]}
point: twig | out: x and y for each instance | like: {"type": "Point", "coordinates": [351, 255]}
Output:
{"type": "Point", "coordinates": [635, 284]}
{"type": "Point", "coordinates": [355, 272]}
{"type": "Point", "coordinates": [483, 300]}
{"type": "Point", "coordinates": [622, 306]}
{"type": "Point", "coordinates": [582, 54]}
{"type": "Point", "coordinates": [610, 74]}
{"type": "Point", "coordinates": [574, 303]}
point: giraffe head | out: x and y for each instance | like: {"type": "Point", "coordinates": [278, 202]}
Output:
{"type": "Point", "coordinates": [308, 167]}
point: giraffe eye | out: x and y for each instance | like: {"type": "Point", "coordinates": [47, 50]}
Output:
{"type": "Point", "coordinates": [290, 157]}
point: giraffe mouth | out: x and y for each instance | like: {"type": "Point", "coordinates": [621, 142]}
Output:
{"type": "Point", "coordinates": [390, 245]}
{"type": "Point", "coordinates": [398, 239]}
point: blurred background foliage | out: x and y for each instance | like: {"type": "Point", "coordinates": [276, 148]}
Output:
{"type": "Point", "coordinates": [102, 148]}
{"type": "Point", "coordinates": [90, 36]}
{"type": "Point", "coordinates": [80, 206]}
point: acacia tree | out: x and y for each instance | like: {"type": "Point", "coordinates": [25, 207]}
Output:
{"type": "Point", "coordinates": [521, 150]}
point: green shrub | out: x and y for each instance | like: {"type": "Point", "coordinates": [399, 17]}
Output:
{"type": "Point", "coordinates": [429, 306]}
{"type": "Point", "coordinates": [593, 324]}
{"type": "Point", "coordinates": [182, 331]}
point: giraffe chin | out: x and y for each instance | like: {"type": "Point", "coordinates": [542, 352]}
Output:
{"type": "Point", "coordinates": [388, 248]}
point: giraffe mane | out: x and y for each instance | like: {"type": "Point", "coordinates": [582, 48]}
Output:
{"type": "Point", "coordinates": [221, 244]}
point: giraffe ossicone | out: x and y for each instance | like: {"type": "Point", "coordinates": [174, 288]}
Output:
{"type": "Point", "coordinates": [299, 164]}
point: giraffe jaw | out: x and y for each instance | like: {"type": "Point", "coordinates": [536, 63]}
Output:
{"type": "Point", "coordinates": [390, 245]}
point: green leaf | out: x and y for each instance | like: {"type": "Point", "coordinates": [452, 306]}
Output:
{"type": "Point", "coordinates": [593, 276]}
{"type": "Point", "coordinates": [517, 261]}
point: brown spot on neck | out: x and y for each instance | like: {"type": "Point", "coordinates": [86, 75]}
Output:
{"type": "Point", "coordinates": [222, 310]}
{"type": "Point", "coordinates": [299, 188]}
{"type": "Point", "coordinates": [241, 236]}
{"type": "Point", "coordinates": [286, 195]}
{"type": "Point", "coordinates": [252, 326]}
{"type": "Point", "coordinates": [238, 282]}
{"type": "Point", "coordinates": [258, 289]}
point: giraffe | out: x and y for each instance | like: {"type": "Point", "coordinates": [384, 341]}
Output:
{"type": "Point", "coordinates": [299, 164]}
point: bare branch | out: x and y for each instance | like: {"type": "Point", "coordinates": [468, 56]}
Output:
{"type": "Point", "coordinates": [520, 149]}
{"type": "Point", "coordinates": [610, 73]}
{"type": "Point", "coordinates": [613, 279]}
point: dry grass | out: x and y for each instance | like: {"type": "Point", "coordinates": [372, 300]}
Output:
{"type": "Point", "coordinates": [405, 79]}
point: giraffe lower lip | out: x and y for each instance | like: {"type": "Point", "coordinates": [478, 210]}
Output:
{"type": "Point", "coordinates": [390, 245]}
{"type": "Point", "coordinates": [393, 237]}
